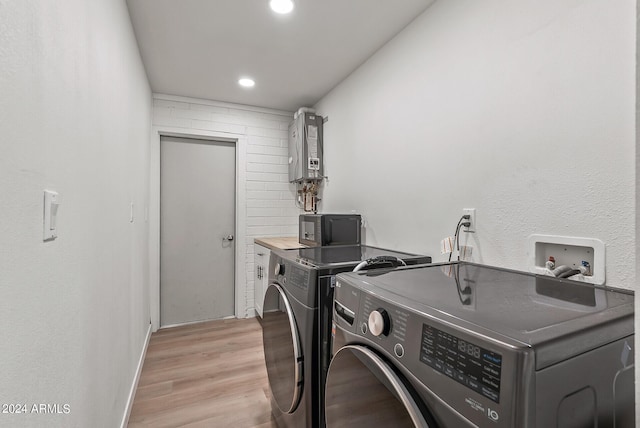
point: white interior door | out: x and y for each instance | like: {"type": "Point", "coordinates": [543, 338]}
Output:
{"type": "Point", "coordinates": [197, 226]}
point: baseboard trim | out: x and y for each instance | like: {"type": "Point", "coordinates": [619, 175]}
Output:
{"type": "Point", "coordinates": [136, 379]}
{"type": "Point", "coordinates": [182, 324]}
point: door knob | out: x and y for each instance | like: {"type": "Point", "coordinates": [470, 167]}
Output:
{"type": "Point", "coordinates": [228, 238]}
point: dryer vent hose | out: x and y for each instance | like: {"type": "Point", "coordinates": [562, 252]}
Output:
{"type": "Point", "coordinates": [379, 262]}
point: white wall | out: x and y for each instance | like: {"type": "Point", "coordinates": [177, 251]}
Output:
{"type": "Point", "coordinates": [637, 299]}
{"type": "Point", "coordinates": [522, 111]}
{"type": "Point", "coordinates": [75, 117]}
{"type": "Point", "coordinates": [264, 192]}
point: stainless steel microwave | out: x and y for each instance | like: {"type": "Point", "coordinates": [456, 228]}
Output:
{"type": "Point", "coordinates": [320, 230]}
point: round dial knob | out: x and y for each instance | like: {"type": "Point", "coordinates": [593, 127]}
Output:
{"type": "Point", "coordinates": [279, 269]}
{"type": "Point", "coordinates": [379, 322]}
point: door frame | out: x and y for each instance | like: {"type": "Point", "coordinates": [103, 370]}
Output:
{"type": "Point", "coordinates": [240, 280]}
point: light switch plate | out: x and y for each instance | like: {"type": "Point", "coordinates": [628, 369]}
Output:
{"type": "Point", "coordinates": [51, 203]}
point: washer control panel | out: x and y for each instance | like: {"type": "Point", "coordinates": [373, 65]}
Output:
{"type": "Point", "coordinates": [385, 324]}
{"type": "Point", "coordinates": [384, 321]}
{"type": "Point", "coordinates": [471, 365]}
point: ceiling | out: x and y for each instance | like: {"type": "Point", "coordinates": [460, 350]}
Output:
{"type": "Point", "coordinates": [200, 48]}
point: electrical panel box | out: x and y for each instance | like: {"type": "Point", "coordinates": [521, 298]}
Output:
{"type": "Point", "coordinates": [305, 148]}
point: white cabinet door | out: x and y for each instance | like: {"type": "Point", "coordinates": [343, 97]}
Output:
{"type": "Point", "coordinates": [261, 275]}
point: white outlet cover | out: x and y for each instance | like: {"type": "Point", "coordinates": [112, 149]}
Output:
{"type": "Point", "coordinates": [472, 213]}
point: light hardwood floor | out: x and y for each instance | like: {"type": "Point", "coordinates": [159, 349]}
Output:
{"type": "Point", "coordinates": [210, 374]}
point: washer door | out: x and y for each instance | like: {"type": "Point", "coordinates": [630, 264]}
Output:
{"type": "Point", "coordinates": [282, 351]}
{"type": "Point", "coordinates": [364, 391]}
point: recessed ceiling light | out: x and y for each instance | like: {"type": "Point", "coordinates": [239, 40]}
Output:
{"type": "Point", "coordinates": [246, 82]}
{"type": "Point", "coordinates": [281, 6]}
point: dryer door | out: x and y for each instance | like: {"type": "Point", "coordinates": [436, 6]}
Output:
{"type": "Point", "coordinates": [364, 391]}
{"type": "Point", "coordinates": [282, 350]}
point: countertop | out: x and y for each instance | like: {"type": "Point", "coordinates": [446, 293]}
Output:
{"type": "Point", "coordinates": [280, 242]}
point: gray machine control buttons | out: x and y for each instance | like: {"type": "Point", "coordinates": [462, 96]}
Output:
{"type": "Point", "coordinates": [398, 350]}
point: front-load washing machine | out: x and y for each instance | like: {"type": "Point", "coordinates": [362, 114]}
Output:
{"type": "Point", "coordinates": [296, 326]}
{"type": "Point", "coordinates": [464, 345]}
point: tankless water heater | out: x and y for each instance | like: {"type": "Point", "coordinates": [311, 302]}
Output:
{"type": "Point", "coordinates": [305, 147]}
